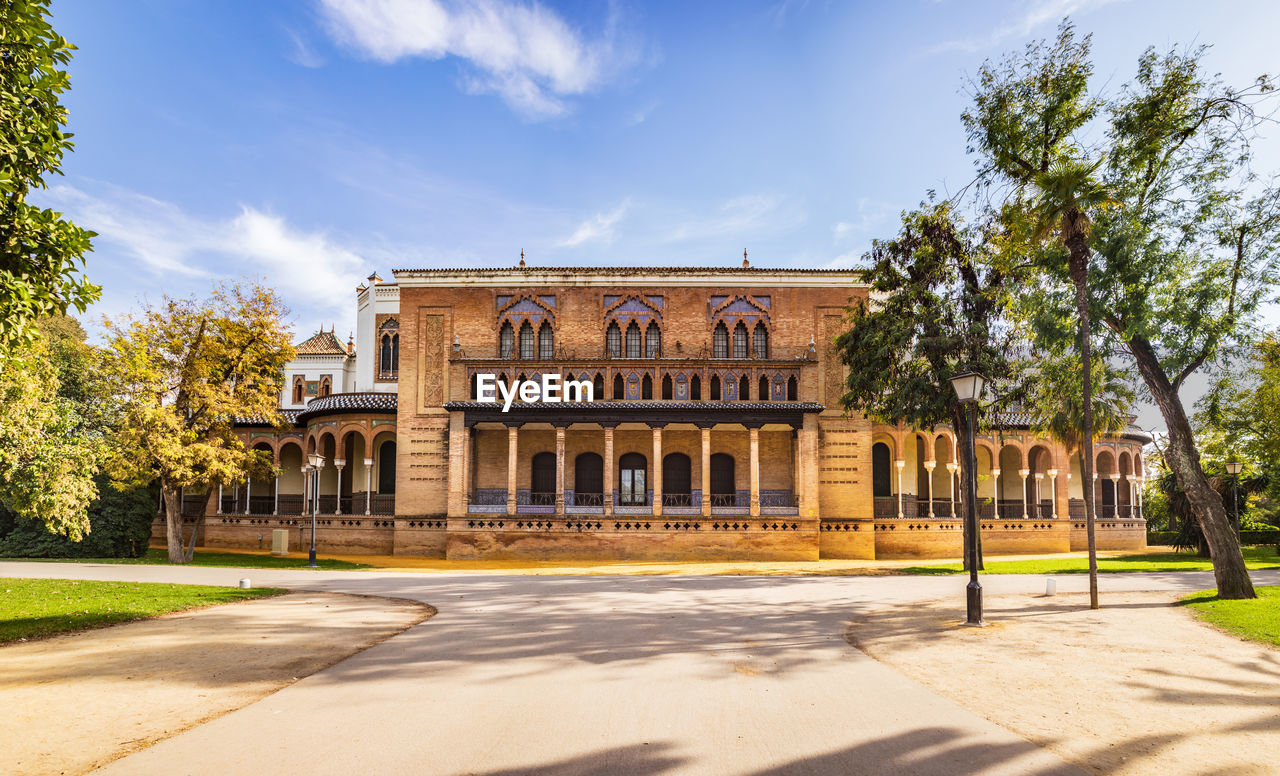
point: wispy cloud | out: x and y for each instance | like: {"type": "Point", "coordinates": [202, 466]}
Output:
{"type": "Point", "coordinates": [314, 273]}
{"type": "Point", "coordinates": [743, 216]}
{"type": "Point", "coordinates": [301, 53]}
{"type": "Point", "coordinates": [598, 228]}
{"type": "Point", "coordinates": [1033, 16]}
{"type": "Point", "coordinates": [526, 54]}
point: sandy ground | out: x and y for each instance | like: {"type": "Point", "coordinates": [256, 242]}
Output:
{"type": "Point", "coordinates": [75, 702]}
{"type": "Point", "coordinates": [1138, 687]}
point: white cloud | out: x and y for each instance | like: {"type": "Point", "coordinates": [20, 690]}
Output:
{"type": "Point", "coordinates": [1035, 15]}
{"type": "Point", "coordinates": [747, 215]}
{"type": "Point", "coordinates": [598, 228]}
{"type": "Point", "coordinates": [526, 54]}
{"type": "Point", "coordinates": [301, 53]}
{"type": "Point", "coordinates": [314, 274]}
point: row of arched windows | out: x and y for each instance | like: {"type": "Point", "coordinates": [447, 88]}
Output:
{"type": "Point", "coordinates": [719, 390]}
{"type": "Point", "coordinates": [758, 342]}
{"type": "Point", "coordinates": [649, 347]}
{"type": "Point", "coordinates": [543, 348]}
{"type": "Point", "coordinates": [633, 480]}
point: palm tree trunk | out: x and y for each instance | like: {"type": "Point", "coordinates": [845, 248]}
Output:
{"type": "Point", "coordinates": [1079, 267]}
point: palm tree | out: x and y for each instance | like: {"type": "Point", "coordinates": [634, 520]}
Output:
{"type": "Point", "coordinates": [1066, 193]}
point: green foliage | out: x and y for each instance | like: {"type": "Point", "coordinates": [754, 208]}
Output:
{"type": "Point", "coordinates": [41, 254]}
{"type": "Point", "coordinates": [38, 608]}
{"type": "Point", "coordinates": [1255, 558]}
{"type": "Point", "coordinates": [1247, 537]}
{"type": "Point", "coordinates": [1256, 620]}
{"type": "Point", "coordinates": [242, 560]}
{"type": "Point", "coordinates": [119, 527]}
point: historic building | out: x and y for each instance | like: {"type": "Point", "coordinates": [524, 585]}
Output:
{"type": "Point", "coordinates": [715, 431]}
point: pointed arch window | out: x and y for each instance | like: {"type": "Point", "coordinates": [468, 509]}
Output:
{"type": "Point", "coordinates": [526, 341]}
{"type": "Point", "coordinates": [744, 388]}
{"type": "Point", "coordinates": [597, 387]}
{"type": "Point", "coordinates": [326, 386]}
{"type": "Point", "coordinates": [740, 340]}
{"type": "Point", "coordinates": [646, 387]}
{"type": "Point", "coordinates": [715, 387]}
{"type": "Point", "coordinates": [619, 387]}
{"type": "Point", "coordinates": [297, 390]}
{"type": "Point", "coordinates": [720, 341]}
{"type": "Point", "coordinates": [613, 341]}
{"type": "Point", "coordinates": [763, 394]}
{"type": "Point", "coordinates": [761, 341]}
{"type": "Point", "coordinates": [793, 389]}
{"type": "Point", "coordinates": [546, 342]}
{"type": "Point", "coordinates": [653, 340]}
{"type": "Point", "coordinates": [633, 340]}
{"type": "Point", "coordinates": [695, 388]}
{"type": "Point", "coordinates": [666, 387]}
{"type": "Point", "coordinates": [506, 341]}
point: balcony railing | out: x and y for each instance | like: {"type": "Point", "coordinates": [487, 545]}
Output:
{"type": "Point", "coordinates": [677, 500]}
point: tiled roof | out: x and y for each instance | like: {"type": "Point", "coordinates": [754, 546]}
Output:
{"type": "Point", "coordinates": [1021, 420]}
{"type": "Point", "coordinates": [341, 403]}
{"type": "Point", "coordinates": [321, 344]}
{"type": "Point", "coordinates": [290, 418]}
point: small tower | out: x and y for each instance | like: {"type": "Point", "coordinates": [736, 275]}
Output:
{"type": "Point", "coordinates": [745, 264]}
{"type": "Point", "coordinates": [521, 264]}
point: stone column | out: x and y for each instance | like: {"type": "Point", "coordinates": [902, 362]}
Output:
{"type": "Point", "coordinates": [899, 465]}
{"type": "Point", "coordinates": [248, 485]}
{"type": "Point", "coordinates": [219, 499]}
{"type": "Point", "coordinates": [560, 469]}
{"type": "Point", "coordinates": [1139, 497]}
{"type": "Point", "coordinates": [755, 472]}
{"type": "Point", "coordinates": [995, 502]}
{"type": "Point", "coordinates": [338, 463]}
{"type": "Point", "coordinates": [809, 501]}
{"type": "Point", "coordinates": [306, 489]}
{"type": "Point", "coordinates": [1024, 473]}
{"type": "Point", "coordinates": [275, 499]}
{"type": "Point", "coordinates": [512, 431]}
{"type": "Point", "coordinates": [706, 471]}
{"type": "Point", "coordinates": [608, 470]}
{"type": "Point", "coordinates": [1053, 484]}
{"type": "Point", "coordinates": [795, 467]}
{"type": "Point", "coordinates": [368, 486]}
{"type": "Point", "coordinates": [951, 481]}
{"type": "Point", "coordinates": [657, 470]}
{"type": "Point", "coordinates": [929, 466]}
{"type": "Point", "coordinates": [1115, 494]}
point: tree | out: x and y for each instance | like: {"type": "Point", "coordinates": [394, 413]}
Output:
{"type": "Point", "coordinates": [1176, 271]}
{"type": "Point", "coordinates": [937, 311]}
{"type": "Point", "coordinates": [41, 254]}
{"type": "Point", "coordinates": [186, 371]}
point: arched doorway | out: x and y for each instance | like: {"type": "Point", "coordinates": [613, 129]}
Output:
{"type": "Point", "coordinates": [881, 479]}
{"type": "Point", "coordinates": [387, 468]}
{"type": "Point", "coordinates": [542, 480]}
{"type": "Point", "coordinates": [723, 489]}
{"type": "Point", "coordinates": [632, 482]}
{"type": "Point", "coordinates": [677, 480]}
{"type": "Point", "coordinates": [588, 480]}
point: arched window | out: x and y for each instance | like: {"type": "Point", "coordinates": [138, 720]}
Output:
{"type": "Point", "coordinates": [597, 387]}
{"type": "Point", "coordinates": [326, 386]}
{"type": "Point", "coordinates": [881, 482]}
{"type": "Point", "coordinates": [740, 340]}
{"type": "Point", "coordinates": [542, 479]}
{"type": "Point", "coordinates": [744, 388]}
{"type": "Point", "coordinates": [715, 387]}
{"type": "Point", "coordinates": [506, 341]}
{"type": "Point", "coordinates": [720, 341]}
{"type": "Point", "coordinates": [588, 480]}
{"type": "Point", "coordinates": [695, 388]}
{"type": "Point", "coordinates": [653, 341]}
{"type": "Point", "coordinates": [763, 394]}
{"type": "Point", "coordinates": [298, 387]}
{"type": "Point", "coordinates": [384, 354]}
{"type": "Point", "coordinates": [632, 488]}
{"type": "Point", "coordinates": [677, 482]}
{"type": "Point", "coordinates": [619, 387]}
{"type": "Point", "coordinates": [666, 387]}
{"type": "Point", "coordinates": [633, 340]}
{"type": "Point", "coordinates": [546, 342]}
{"type": "Point", "coordinates": [526, 341]}
{"type": "Point", "coordinates": [646, 387]}
{"type": "Point", "coordinates": [762, 341]}
{"type": "Point", "coordinates": [613, 340]}
{"type": "Point", "coordinates": [793, 389]}
{"type": "Point", "coordinates": [473, 393]}
{"type": "Point", "coordinates": [387, 467]}
{"type": "Point", "coordinates": [395, 352]}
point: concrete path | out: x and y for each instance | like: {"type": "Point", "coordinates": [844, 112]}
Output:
{"type": "Point", "coordinates": [562, 676]}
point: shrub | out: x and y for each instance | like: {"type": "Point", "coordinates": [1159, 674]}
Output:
{"type": "Point", "coordinates": [119, 527]}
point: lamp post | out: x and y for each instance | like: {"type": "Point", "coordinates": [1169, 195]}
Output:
{"type": "Point", "coordinates": [968, 387]}
{"type": "Point", "coordinates": [1234, 468]}
{"type": "Point", "coordinates": [316, 461]}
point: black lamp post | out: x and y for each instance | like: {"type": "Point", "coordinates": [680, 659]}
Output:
{"type": "Point", "coordinates": [1234, 467]}
{"type": "Point", "coordinates": [317, 461]}
{"type": "Point", "coordinates": [968, 387]}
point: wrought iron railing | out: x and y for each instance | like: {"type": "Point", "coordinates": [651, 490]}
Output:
{"type": "Point", "coordinates": [677, 499]}
{"type": "Point", "coordinates": [778, 500]}
{"type": "Point", "coordinates": [724, 500]}
{"type": "Point", "coordinates": [588, 499]}
{"type": "Point", "coordinates": [383, 504]}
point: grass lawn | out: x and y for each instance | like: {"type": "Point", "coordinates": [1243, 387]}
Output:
{"type": "Point", "coordinates": [34, 608]}
{"type": "Point", "coordinates": [1256, 619]}
{"type": "Point", "coordinates": [1258, 557]}
{"type": "Point", "coordinates": [210, 558]}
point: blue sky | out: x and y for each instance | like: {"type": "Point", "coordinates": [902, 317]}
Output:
{"type": "Point", "coordinates": [312, 142]}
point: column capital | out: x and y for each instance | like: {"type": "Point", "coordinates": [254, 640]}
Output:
{"type": "Point", "coordinates": [900, 464]}
{"type": "Point", "coordinates": [368, 462]}
{"type": "Point", "coordinates": [1052, 473]}
{"type": "Point", "coordinates": [1023, 473]}
{"type": "Point", "coordinates": [512, 425]}
{"type": "Point", "coordinates": [930, 465]}
{"type": "Point", "coordinates": [951, 467]}
{"type": "Point", "coordinates": [657, 425]}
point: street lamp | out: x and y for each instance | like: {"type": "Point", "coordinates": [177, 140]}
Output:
{"type": "Point", "coordinates": [1234, 468]}
{"type": "Point", "coordinates": [968, 387]}
{"type": "Point", "coordinates": [316, 461]}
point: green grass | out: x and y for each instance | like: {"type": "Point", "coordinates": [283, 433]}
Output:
{"type": "Point", "coordinates": [35, 608]}
{"type": "Point", "coordinates": [205, 558]}
{"type": "Point", "coordinates": [1259, 557]}
{"type": "Point", "coordinates": [1256, 619]}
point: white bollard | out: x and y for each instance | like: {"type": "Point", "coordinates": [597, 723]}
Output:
{"type": "Point", "coordinates": [244, 584]}
{"type": "Point", "coordinates": [1050, 586]}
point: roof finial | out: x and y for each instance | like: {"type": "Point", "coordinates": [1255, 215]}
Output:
{"type": "Point", "coordinates": [745, 264]}
{"type": "Point", "coordinates": [522, 258]}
